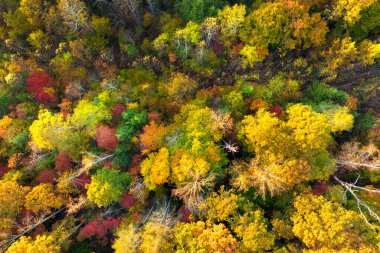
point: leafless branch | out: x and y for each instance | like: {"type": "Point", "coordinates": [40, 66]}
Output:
{"type": "Point", "coordinates": [350, 187]}
{"type": "Point", "coordinates": [9, 242]}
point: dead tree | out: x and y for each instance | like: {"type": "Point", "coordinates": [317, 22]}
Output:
{"type": "Point", "coordinates": [353, 157]}
{"type": "Point", "coordinates": [129, 8]}
{"type": "Point", "coordinates": [352, 188]}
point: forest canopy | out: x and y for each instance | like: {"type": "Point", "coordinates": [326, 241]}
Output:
{"type": "Point", "coordinates": [189, 126]}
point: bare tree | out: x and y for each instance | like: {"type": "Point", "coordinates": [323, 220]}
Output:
{"type": "Point", "coordinates": [129, 8]}
{"type": "Point", "coordinates": [210, 29]}
{"type": "Point", "coordinates": [258, 176]}
{"type": "Point", "coordinates": [192, 191]}
{"type": "Point", "coordinates": [183, 42]}
{"type": "Point", "coordinates": [222, 121]}
{"type": "Point", "coordinates": [201, 52]}
{"type": "Point", "coordinates": [76, 204]}
{"type": "Point", "coordinates": [352, 188]}
{"type": "Point", "coordinates": [74, 14]}
{"type": "Point", "coordinates": [68, 179]}
{"type": "Point", "coordinates": [151, 6]}
{"type": "Point", "coordinates": [353, 156]}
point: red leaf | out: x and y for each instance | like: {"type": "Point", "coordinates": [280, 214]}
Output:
{"type": "Point", "coordinates": [106, 137]}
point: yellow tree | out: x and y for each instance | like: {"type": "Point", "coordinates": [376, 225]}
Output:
{"type": "Point", "coordinates": [287, 24]}
{"type": "Point", "coordinates": [192, 179]}
{"type": "Point", "coordinates": [34, 10]}
{"type": "Point", "coordinates": [127, 240]}
{"type": "Point", "coordinates": [350, 10]}
{"type": "Point", "coordinates": [342, 53]}
{"type": "Point", "coordinates": [223, 205]}
{"type": "Point", "coordinates": [231, 20]}
{"type": "Point", "coordinates": [68, 133]}
{"type": "Point", "coordinates": [288, 152]}
{"type": "Point", "coordinates": [253, 54]}
{"type": "Point", "coordinates": [107, 186]}
{"type": "Point", "coordinates": [47, 128]}
{"type": "Point", "coordinates": [187, 38]}
{"type": "Point", "coordinates": [325, 226]}
{"type": "Point", "coordinates": [310, 130]}
{"type": "Point", "coordinates": [155, 169]}
{"type": "Point", "coordinates": [42, 244]}
{"type": "Point", "coordinates": [179, 86]}
{"type": "Point", "coordinates": [43, 198]}
{"type": "Point", "coordinates": [203, 237]}
{"type": "Point", "coordinates": [340, 119]}
{"type": "Point", "coordinates": [210, 29]}
{"type": "Point", "coordinates": [251, 228]}
{"type": "Point", "coordinates": [156, 238]}
{"type": "Point", "coordinates": [74, 14]}
{"type": "Point", "coordinates": [11, 201]}
{"type": "Point", "coordinates": [368, 52]}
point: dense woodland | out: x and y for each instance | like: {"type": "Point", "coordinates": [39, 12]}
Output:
{"type": "Point", "coordinates": [159, 126]}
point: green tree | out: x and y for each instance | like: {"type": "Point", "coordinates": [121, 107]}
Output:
{"type": "Point", "coordinates": [5, 101]}
{"type": "Point", "coordinates": [368, 22]}
{"type": "Point", "coordinates": [198, 10]}
{"type": "Point", "coordinates": [69, 133]}
{"type": "Point", "coordinates": [18, 24]}
{"type": "Point", "coordinates": [132, 120]}
{"type": "Point", "coordinates": [107, 186]}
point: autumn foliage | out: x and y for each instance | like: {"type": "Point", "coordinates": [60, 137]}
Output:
{"type": "Point", "coordinates": [106, 137]}
{"type": "Point", "coordinates": [182, 126]}
{"type": "Point", "coordinates": [40, 84]}
{"type": "Point", "coordinates": [128, 200]}
{"type": "Point", "coordinates": [99, 228]}
{"type": "Point", "coordinates": [46, 176]}
{"type": "Point", "coordinates": [62, 162]}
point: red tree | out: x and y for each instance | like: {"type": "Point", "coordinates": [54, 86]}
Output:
{"type": "Point", "coordinates": [185, 213]}
{"type": "Point", "coordinates": [99, 227]}
{"type": "Point", "coordinates": [276, 109]}
{"type": "Point", "coordinates": [117, 110]}
{"type": "Point", "coordinates": [128, 201]}
{"type": "Point", "coordinates": [106, 137]}
{"type": "Point", "coordinates": [108, 164]}
{"type": "Point", "coordinates": [320, 188]}
{"type": "Point", "coordinates": [46, 176]}
{"type": "Point", "coordinates": [135, 164]}
{"type": "Point", "coordinates": [62, 162]}
{"type": "Point", "coordinates": [41, 85]}
{"type": "Point", "coordinates": [3, 170]}
{"type": "Point", "coordinates": [82, 181]}
{"type": "Point", "coordinates": [155, 116]}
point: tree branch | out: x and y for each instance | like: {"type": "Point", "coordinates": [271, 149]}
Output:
{"type": "Point", "coordinates": [350, 188]}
